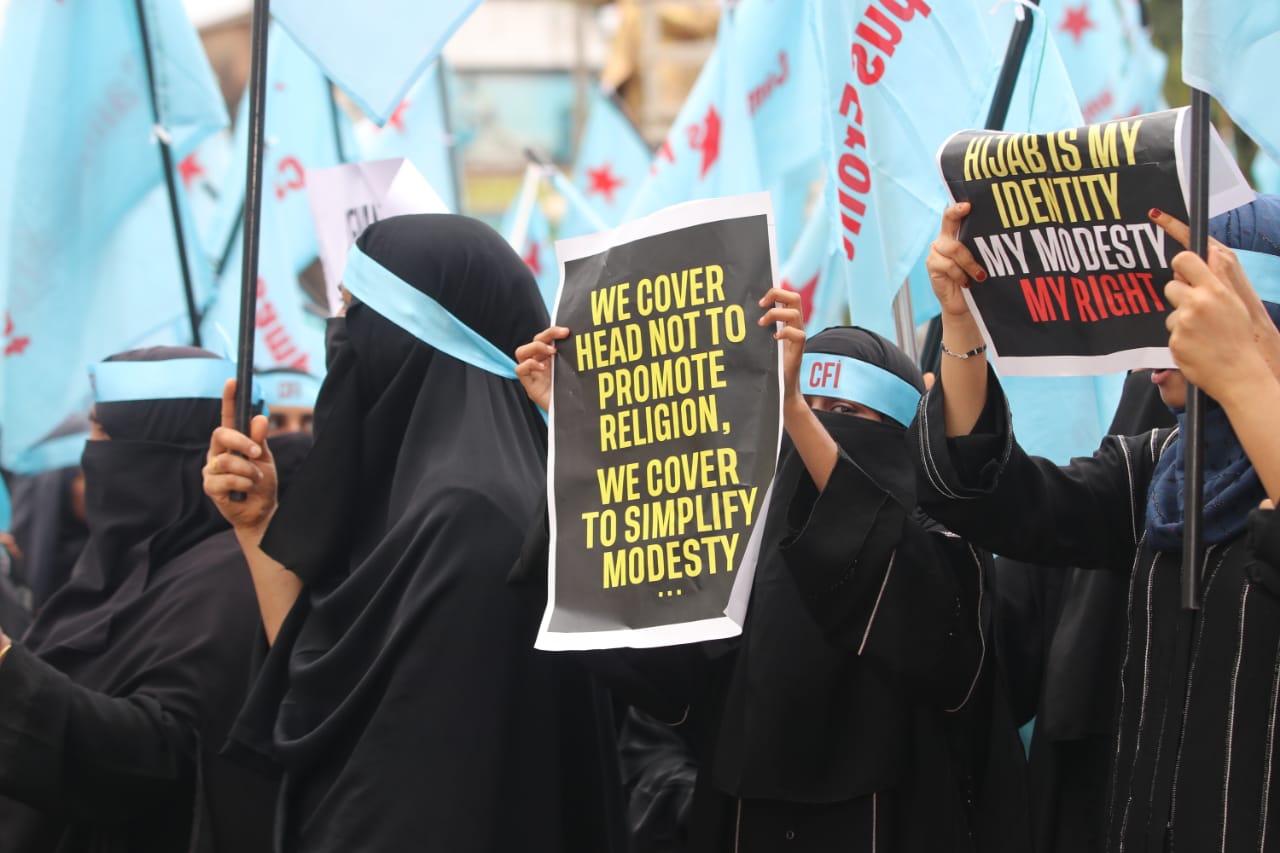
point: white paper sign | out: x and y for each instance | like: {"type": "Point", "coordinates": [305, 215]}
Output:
{"type": "Point", "coordinates": [346, 199]}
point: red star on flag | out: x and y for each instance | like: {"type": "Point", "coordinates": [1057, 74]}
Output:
{"type": "Point", "coordinates": [13, 346]}
{"type": "Point", "coordinates": [705, 137]}
{"type": "Point", "coordinates": [602, 181]}
{"type": "Point", "coordinates": [397, 118]}
{"type": "Point", "coordinates": [190, 169]}
{"type": "Point", "coordinates": [1077, 22]}
{"type": "Point", "coordinates": [531, 259]}
{"type": "Point", "coordinates": [806, 295]}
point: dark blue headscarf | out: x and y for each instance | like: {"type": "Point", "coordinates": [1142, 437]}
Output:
{"type": "Point", "coordinates": [1231, 487]}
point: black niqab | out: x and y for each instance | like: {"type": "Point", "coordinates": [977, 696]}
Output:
{"type": "Point", "coordinates": [159, 619]}
{"type": "Point", "coordinates": [403, 697]}
{"type": "Point", "coordinates": [45, 525]}
{"type": "Point", "coordinates": [803, 720]}
{"type": "Point", "coordinates": [144, 504]}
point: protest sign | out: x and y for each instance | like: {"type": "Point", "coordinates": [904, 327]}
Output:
{"type": "Point", "coordinates": [1059, 221]}
{"type": "Point", "coordinates": [346, 199]}
{"type": "Point", "coordinates": [665, 422]}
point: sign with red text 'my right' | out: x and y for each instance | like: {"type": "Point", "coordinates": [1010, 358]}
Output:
{"type": "Point", "coordinates": [1060, 222]}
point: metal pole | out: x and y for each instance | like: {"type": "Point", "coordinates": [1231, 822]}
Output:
{"type": "Point", "coordinates": [996, 115]}
{"type": "Point", "coordinates": [335, 116]}
{"type": "Point", "coordinates": [252, 213]}
{"type": "Point", "coordinates": [170, 180]}
{"type": "Point", "coordinates": [447, 120]}
{"type": "Point", "coordinates": [1193, 501]}
{"type": "Point", "coordinates": [904, 323]}
{"type": "Point", "coordinates": [1009, 70]}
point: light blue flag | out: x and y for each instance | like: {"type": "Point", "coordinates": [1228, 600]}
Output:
{"type": "Point", "coordinates": [779, 70]}
{"type": "Point", "coordinates": [804, 271]}
{"type": "Point", "coordinates": [526, 228]}
{"type": "Point", "coordinates": [887, 106]}
{"type": "Point", "coordinates": [202, 173]}
{"type": "Point", "coordinates": [710, 150]}
{"type": "Point", "coordinates": [418, 130]}
{"type": "Point", "coordinates": [1057, 417]}
{"type": "Point", "coordinates": [1116, 70]}
{"type": "Point", "coordinates": [1231, 49]}
{"type": "Point", "coordinates": [796, 195]}
{"type": "Point", "coordinates": [1266, 174]}
{"type": "Point", "coordinates": [87, 257]}
{"type": "Point", "coordinates": [289, 321]}
{"type": "Point", "coordinates": [374, 49]}
{"type": "Point", "coordinates": [302, 132]}
{"type": "Point", "coordinates": [612, 162]}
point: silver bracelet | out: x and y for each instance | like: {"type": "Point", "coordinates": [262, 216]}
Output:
{"type": "Point", "coordinates": [979, 350]}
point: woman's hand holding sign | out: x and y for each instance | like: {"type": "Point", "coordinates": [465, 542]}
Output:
{"type": "Point", "coordinates": [814, 444]}
{"type": "Point", "coordinates": [1212, 338]}
{"type": "Point", "coordinates": [951, 268]}
{"type": "Point", "coordinates": [1211, 335]}
{"type": "Point", "coordinates": [533, 364]}
{"type": "Point", "coordinates": [1226, 266]}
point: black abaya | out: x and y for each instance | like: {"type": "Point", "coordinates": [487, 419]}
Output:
{"type": "Point", "coordinates": [403, 697]}
{"type": "Point", "coordinates": [114, 705]}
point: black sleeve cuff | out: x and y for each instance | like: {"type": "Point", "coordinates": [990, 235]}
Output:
{"type": "Point", "coordinates": [33, 716]}
{"type": "Point", "coordinates": [964, 466]}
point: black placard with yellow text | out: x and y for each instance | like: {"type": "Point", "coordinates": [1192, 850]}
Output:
{"type": "Point", "coordinates": [1060, 223]}
{"type": "Point", "coordinates": [664, 427]}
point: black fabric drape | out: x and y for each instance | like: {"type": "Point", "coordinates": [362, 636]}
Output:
{"type": "Point", "coordinates": [403, 698]}
{"type": "Point", "coordinates": [114, 704]}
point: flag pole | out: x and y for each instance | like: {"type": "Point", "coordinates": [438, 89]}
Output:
{"type": "Point", "coordinates": [996, 116]}
{"type": "Point", "coordinates": [1010, 69]}
{"type": "Point", "coordinates": [252, 213]}
{"type": "Point", "coordinates": [1193, 498]}
{"type": "Point", "coordinates": [170, 180]}
{"type": "Point", "coordinates": [450, 140]}
{"type": "Point", "coordinates": [335, 118]}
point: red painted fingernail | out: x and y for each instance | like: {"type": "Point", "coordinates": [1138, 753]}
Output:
{"type": "Point", "coordinates": [1155, 213]}
{"type": "Point", "coordinates": [982, 275]}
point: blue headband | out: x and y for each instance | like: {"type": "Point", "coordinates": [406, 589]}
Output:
{"type": "Point", "coordinates": [826, 375]}
{"type": "Point", "coordinates": [287, 388]}
{"type": "Point", "coordinates": [174, 379]}
{"type": "Point", "coordinates": [420, 315]}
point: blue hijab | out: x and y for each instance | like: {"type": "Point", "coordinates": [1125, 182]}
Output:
{"type": "Point", "coordinates": [1231, 485]}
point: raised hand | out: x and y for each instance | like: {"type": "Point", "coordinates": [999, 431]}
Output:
{"type": "Point", "coordinates": [783, 306]}
{"type": "Point", "coordinates": [1210, 330]}
{"type": "Point", "coordinates": [533, 364]}
{"type": "Point", "coordinates": [951, 266]}
{"type": "Point", "coordinates": [241, 463]}
{"type": "Point", "coordinates": [1226, 266]}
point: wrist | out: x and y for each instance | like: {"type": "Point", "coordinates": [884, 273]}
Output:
{"type": "Point", "coordinates": [961, 330]}
{"type": "Point", "coordinates": [1247, 383]}
{"type": "Point", "coordinates": [250, 535]}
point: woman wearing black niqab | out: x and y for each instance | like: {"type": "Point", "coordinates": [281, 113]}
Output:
{"type": "Point", "coordinates": [115, 704]}
{"type": "Point", "coordinates": [859, 710]}
{"type": "Point", "coordinates": [402, 696]}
